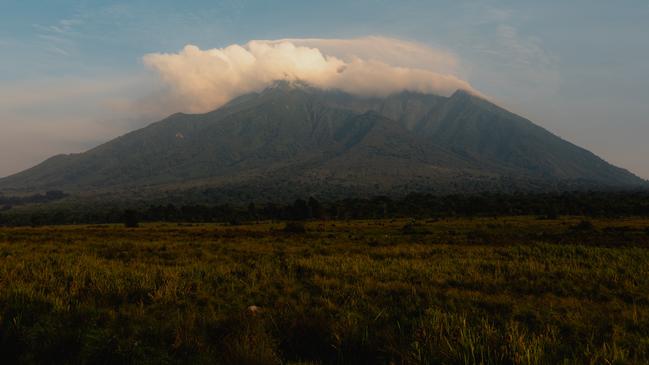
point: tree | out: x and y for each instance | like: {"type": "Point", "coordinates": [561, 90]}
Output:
{"type": "Point", "coordinates": [315, 208]}
{"type": "Point", "coordinates": [252, 211]}
{"type": "Point", "coordinates": [131, 219]}
{"type": "Point", "coordinates": [54, 195]}
{"type": "Point", "coordinates": [300, 210]}
{"type": "Point", "coordinates": [295, 227]}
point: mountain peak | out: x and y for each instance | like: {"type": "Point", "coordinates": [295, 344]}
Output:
{"type": "Point", "coordinates": [287, 85]}
{"type": "Point", "coordinates": [466, 94]}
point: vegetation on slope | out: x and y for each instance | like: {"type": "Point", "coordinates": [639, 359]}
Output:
{"type": "Point", "coordinates": [331, 141]}
{"type": "Point", "coordinates": [205, 208]}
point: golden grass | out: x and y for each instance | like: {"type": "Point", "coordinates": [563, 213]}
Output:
{"type": "Point", "coordinates": [513, 290]}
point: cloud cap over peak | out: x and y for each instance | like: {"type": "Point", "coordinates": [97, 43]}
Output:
{"type": "Point", "coordinates": [202, 80]}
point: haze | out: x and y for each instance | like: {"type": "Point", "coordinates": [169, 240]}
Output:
{"type": "Point", "coordinates": [76, 73]}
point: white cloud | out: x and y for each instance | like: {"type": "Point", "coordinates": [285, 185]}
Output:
{"type": "Point", "coordinates": [392, 51]}
{"type": "Point", "coordinates": [202, 80]}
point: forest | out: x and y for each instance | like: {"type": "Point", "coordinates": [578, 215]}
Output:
{"type": "Point", "coordinates": [53, 209]}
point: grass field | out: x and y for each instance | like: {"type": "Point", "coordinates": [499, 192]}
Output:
{"type": "Point", "coordinates": [513, 290]}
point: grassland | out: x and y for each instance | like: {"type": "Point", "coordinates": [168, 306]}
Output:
{"type": "Point", "coordinates": [513, 290]}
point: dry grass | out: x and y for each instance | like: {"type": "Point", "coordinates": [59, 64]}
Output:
{"type": "Point", "coordinates": [511, 290]}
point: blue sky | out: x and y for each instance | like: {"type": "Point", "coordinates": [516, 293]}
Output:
{"type": "Point", "coordinates": [577, 68]}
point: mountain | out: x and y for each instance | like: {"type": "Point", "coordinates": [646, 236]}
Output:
{"type": "Point", "coordinates": [291, 138]}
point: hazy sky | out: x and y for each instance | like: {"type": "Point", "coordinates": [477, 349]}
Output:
{"type": "Point", "coordinates": [72, 73]}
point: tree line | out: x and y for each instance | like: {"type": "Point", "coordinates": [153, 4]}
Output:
{"type": "Point", "coordinates": [546, 205]}
{"type": "Point", "coordinates": [8, 202]}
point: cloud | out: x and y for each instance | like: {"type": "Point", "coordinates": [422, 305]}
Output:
{"type": "Point", "coordinates": [392, 51]}
{"type": "Point", "coordinates": [202, 80]}
{"type": "Point", "coordinates": [527, 51]}
{"type": "Point", "coordinates": [58, 38]}
{"type": "Point", "coordinates": [516, 66]}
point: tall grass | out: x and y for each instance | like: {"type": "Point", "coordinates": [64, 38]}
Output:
{"type": "Point", "coordinates": [492, 291]}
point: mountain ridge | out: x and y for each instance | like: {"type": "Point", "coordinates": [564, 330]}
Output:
{"type": "Point", "coordinates": [309, 137]}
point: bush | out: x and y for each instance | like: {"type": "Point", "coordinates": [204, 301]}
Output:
{"type": "Point", "coordinates": [131, 219]}
{"type": "Point", "coordinates": [550, 214]}
{"type": "Point", "coordinates": [584, 226]}
{"type": "Point", "coordinates": [295, 227]}
{"type": "Point", "coordinates": [414, 228]}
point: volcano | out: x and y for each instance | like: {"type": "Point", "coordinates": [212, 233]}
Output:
{"type": "Point", "coordinates": [293, 139]}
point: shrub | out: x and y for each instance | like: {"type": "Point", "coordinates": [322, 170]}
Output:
{"type": "Point", "coordinates": [414, 228]}
{"type": "Point", "coordinates": [584, 226]}
{"type": "Point", "coordinates": [295, 227]}
{"type": "Point", "coordinates": [131, 219]}
{"type": "Point", "coordinates": [550, 214]}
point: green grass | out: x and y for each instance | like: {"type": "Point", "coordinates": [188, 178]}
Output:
{"type": "Point", "coordinates": [514, 290]}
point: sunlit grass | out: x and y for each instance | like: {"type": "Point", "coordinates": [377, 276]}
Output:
{"type": "Point", "coordinates": [507, 290]}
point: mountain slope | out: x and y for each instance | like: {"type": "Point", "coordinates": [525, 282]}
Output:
{"type": "Point", "coordinates": [294, 135]}
{"type": "Point", "coordinates": [475, 128]}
